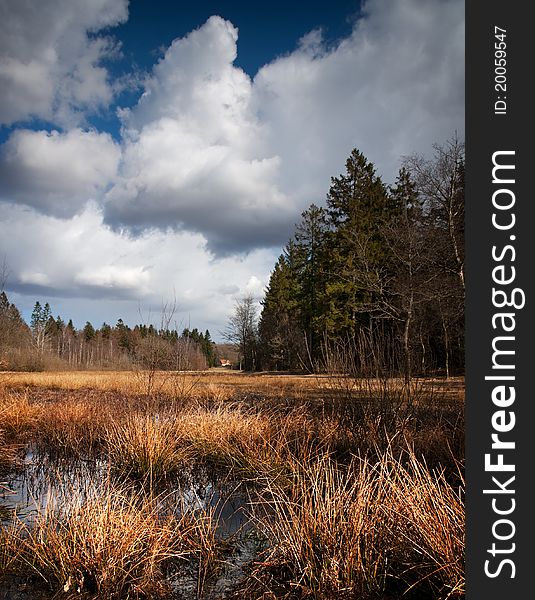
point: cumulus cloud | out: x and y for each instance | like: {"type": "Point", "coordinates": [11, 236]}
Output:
{"type": "Point", "coordinates": [73, 262]}
{"type": "Point", "coordinates": [213, 167]}
{"type": "Point", "coordinates": [393, 87]}
{"type": "Point", "coordinates": [50, 68]}
{"type": "Point", "coordinates": [191, 157]}
{"type": "Point", "coordinates": [57, 173]}
{"type": "Point", "coordinates": [209, 150]}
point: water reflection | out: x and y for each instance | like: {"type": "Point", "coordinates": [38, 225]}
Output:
{"type": "Point", "coordinates": [45, 483]}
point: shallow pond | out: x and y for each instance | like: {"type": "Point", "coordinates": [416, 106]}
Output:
{"type": "Point", "coordinates": [42, 483]}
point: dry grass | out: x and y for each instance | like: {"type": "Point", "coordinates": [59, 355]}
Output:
{"type": "Point", "coordinates": [430, 522]}
{"type": "Point", "coordinates": [227, 436]}
{"type": "Point", "coordinates": [360, 489]}
{"type": "Point", "coordinates": [144, 447]}
{"type": "Point", "coordinates": [223, 384]}
{"type": "Point", "coordinates": [324, 532]}
{"type": "Point", "coordinates": [107, 544]}
{"type": "Point", "coordinates": [362, 531]}
{"type": "Point", "coordinates": [17, 415]}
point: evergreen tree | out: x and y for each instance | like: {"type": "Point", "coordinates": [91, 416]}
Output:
{"type": "Point", "coordinates": [123, 333]}
{"type": "Point", "coordinates": [40, 322]}
{"type": "Point", "coordinates": [310, 237]}
{"type": "Point", "coordinates": [379, 271]}
{"type": "Point", "coordinates": [89, 332]}
{"type": "Point", "coordinates": [280, 328]}
{"type": "Point", "coordinates": [209, 349]}
{"type": "Point", "coordinates": [357, 206]}
{"type": "Point", "coordinates": [14, 332]}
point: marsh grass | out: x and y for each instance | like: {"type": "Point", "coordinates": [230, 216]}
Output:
{"type": "Point", "coordinates": [72, 427]}
{"type": "Point", "coordinates": [144, 447]}
{"type": "Point", "coordinates": [108, 543]}
{"type": "Point", "coordinates": [227, 437]}
{"type": "Point", "coordinates": [361, 531]}
{"type": "Point", "coordinates": [321, 530]}
{"type": "Point", "coordinates": [17, 415]}
{"type": "Point", "coordinates": [9, 455]}
{"type": "Point", "coordinates": [356, 484]}
{"type": "Point", "coordinates": [430, 522]}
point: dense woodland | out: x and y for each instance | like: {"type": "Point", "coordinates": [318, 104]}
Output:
{"type": "Point", "coordinates": [373, 282]}
{"type": "Point", "coordinates": [49, 342]}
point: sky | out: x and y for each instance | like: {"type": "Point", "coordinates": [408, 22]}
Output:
{"type": "Point", "coordinates": [158, 154]}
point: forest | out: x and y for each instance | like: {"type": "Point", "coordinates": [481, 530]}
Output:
{"type": "Point", "coordinates": [373, 282]}
{"type": "Point", "coordinates": [327, 464]}
{"type": "Point", "coordinates": [50, 344]}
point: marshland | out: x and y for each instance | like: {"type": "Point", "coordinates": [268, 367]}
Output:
{"type": "Point", "coordinates": [318, 454]}
{"type": "Point", "coordinates": [220, 484]}
{"type": "Point", "coordinates": [232, 300]}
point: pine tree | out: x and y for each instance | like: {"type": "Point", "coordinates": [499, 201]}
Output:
{"type": "Point", "coordinates": [123, 333]}
{"type": "Point", "coordinates": [357, 206]}
{"type": "Point", "coordinates": [40, 321]}
{"type": "Point", "coordinates": [310, 237]}
{"type": "Point", "coordinates": [89, 332]}
{"type": "Point", "coordinates": [280, 327]}
{"type": "Point", "coordinates": [209, 349]}
{"type": "Point", "coordinates": [14, 332]}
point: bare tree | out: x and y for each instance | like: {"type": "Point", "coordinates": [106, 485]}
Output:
{"type": "Point", "coordinates": [242, 331]}
{"type": "Point", "coordinates": [440, 181]}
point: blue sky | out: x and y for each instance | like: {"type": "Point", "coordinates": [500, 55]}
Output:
{"type": "Point", "coordinates": [158, 152]}
{"type": "Point", "coordinates": [267, 29]}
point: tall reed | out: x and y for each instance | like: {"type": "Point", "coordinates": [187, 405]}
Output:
{"type": "Point", "coordinates": [144, 446]}
{"type": "Point", "coordinates": [362, 531]}
{"type": "Point", "coordinates": [108, 543]}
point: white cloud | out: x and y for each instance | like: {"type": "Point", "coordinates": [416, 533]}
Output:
{"type": "Point", "coordinates": [191, 159]}
{"type": "Point", "coordinates": [34, 278]}
{"type": "Point", "coordinates": [49, 66]}
{"type": "Point", "coordinates": [208, 150]}
{"type": "Point", "coordinates": [57, 173]}
{"type": "Point", "coordinates": [113, 276]}
{"type": "Point", "coordinates": [84, 268]}
{"type": "Point", "coordinates": [213, 168]}
{"type": "Point", "coordinates": [394, 87]}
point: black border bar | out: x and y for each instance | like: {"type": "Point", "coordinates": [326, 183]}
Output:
{"type": "Point", "coordinates": [499, 124]}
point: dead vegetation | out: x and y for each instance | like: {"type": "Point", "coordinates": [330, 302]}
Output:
{"type": "Point", "coordinates": [107, 543]}
{"type": "Point", "coordinates": [355, 485]}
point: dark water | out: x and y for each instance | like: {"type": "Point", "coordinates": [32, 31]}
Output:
{"type": "Point", "coordinates": [45, 483]}
{"type": "Point", "coordinates": [41, 482]}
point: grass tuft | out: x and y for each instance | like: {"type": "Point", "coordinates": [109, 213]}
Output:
{"type": "Point", "coordinates": [108, 543]}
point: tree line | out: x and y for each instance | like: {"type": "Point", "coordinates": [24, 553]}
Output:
{"type": "Point", "coordinates": [373, 281]}
{"type": "Point", "coordinates": [50, 342]}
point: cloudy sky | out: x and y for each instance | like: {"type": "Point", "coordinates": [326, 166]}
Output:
{"type": "Point", "coordinates": [152, 152]}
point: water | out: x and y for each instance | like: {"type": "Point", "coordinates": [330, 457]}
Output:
{"type": "Point", "coordinates": [44, 483]}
